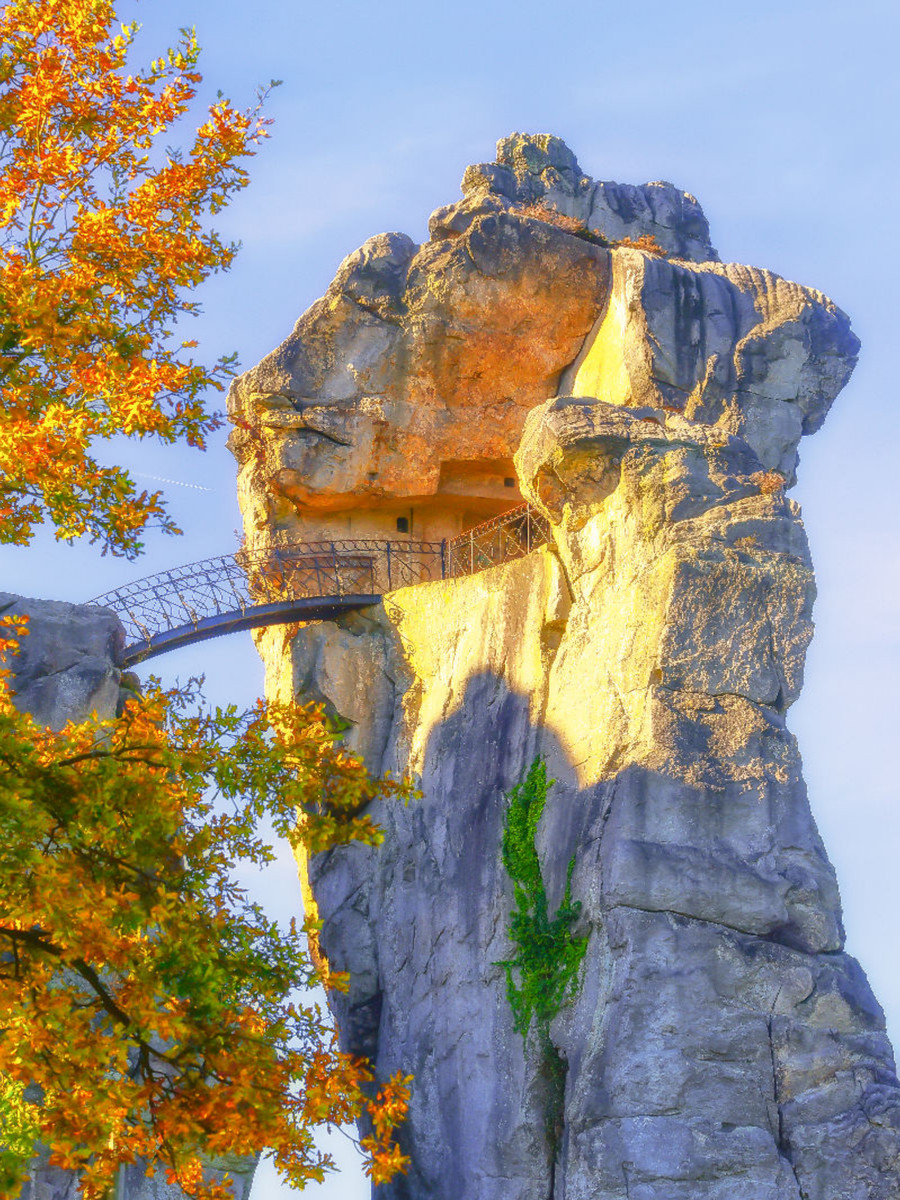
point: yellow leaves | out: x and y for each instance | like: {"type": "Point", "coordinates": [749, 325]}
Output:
{"type": "Point", "coordinates": [98, 248]}
{"type": "Point", "coordinates": [384, 1163]}
{"type": "Point", "coordinates": [386, 1112]}
{"type": "Point", "coordinates": [138, 986]}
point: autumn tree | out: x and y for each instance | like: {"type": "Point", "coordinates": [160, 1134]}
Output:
{"type": "Point", "coordinates": [146, 1009]}
{"type": "Point", "coordinates": [103, 235]}
{"type": "Point", "coordinates": [144, 999]}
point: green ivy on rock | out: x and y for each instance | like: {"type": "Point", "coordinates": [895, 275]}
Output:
{"type": "Point", "coordinates": [542, 974]}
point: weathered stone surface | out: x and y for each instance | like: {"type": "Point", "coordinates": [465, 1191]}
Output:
{"type": "Point", "coordinates": [67, 665]}
{"type": "Point", "coordinates": [731, 346]}
{"type": "Point", "coordinates": [722, 1045]}
{"type": "Point", "coordinates": [543, 170]}
{"type": "Point", "coordinates": [402, 393]}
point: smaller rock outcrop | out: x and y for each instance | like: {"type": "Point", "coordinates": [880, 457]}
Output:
{"type": "Point", "coordinates": [541, 169]}
{"type": "Point", "coordinates": [67, 665]}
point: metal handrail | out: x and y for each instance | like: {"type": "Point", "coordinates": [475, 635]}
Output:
{"type": "Point", "coordinates": [304, 581]}
{"type": "Point", "coordinates": [512, 534]}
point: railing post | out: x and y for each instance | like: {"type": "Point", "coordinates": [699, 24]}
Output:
{"type": "Point", "coordinates": [471, 553]}
{"type": "Point", "coordinates": [443, 558]}
{"type": "Point", "coordinates": [528, 529]}
{"type": "Point", "coordinates": [389, 565]}
{"type": "Point", "coordinates": [337, 578]}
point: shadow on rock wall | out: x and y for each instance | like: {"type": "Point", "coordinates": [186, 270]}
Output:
{"type": "Point", "coordinates": [720, 1044]}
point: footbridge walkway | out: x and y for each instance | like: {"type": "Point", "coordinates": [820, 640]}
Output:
{"type": "Point", "coordinates": [306, 581]}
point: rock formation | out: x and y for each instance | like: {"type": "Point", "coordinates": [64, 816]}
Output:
{"type": "Point", "coordinates": [402, 393]}
{"type": "Point", "coordinates": [720, 1044]}
{"type": "Point", "coordinates": [67, 666]}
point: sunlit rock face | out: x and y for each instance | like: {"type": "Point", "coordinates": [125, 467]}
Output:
{"type": "Point", "coordinates": [401, 394]}
{"type": "Point", "coordinates": [721, 1044]}
{"type": "Point", "coordinates": [731, 346]}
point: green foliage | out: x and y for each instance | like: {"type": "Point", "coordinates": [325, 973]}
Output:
{"type": "Point", "coordinates": [542, 974]}
{"type": "Point", "coordinates": [18, 1131]}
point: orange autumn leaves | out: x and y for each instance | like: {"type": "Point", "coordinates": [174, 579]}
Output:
{"type": "Point", "coordinates": [151, 1004]}
{"type": "Point", "coordinates": [102, 237]}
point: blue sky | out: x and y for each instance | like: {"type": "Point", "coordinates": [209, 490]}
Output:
{"type": "Point", "coordinates": [779, 117]}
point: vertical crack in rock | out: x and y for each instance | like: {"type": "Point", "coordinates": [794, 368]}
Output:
{"type": "Point", "coordinates": [579, 345]}
{"type": "Point", "coordinates": [783, 1144]}
{"type": "Point", "coordinates": [625, 1167]}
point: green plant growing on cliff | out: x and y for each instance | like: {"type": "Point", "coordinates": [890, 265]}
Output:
{"type": "Point", "coordinates": [542, 974]}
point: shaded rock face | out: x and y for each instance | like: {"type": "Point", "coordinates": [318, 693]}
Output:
{"type": "Point", "coordinates": [721, 1045]}
{"type": "Point", "coordinates": [67, 665]}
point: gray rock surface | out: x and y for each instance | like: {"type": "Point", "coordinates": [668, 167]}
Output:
{"type": "Point", "coordinates": [721, 1044]}
{"type": "Point", "coordinates": [731, 346]}
{"type": "Point", "coordinates": [67, 665]}
{"type": "Point", "coordinates": [541, 169]}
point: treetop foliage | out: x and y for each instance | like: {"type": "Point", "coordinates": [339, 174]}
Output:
{"type": "Point", "coordinates": [102, 238]}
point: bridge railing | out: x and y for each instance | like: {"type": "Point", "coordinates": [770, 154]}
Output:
{"type": "Point", "coordinates": [270, 585]}
{"type": "Point", "coordinates": [511, 535]}
{"type": "Point", "coordinates": [274, 575]}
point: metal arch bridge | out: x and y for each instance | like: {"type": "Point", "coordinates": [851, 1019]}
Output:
{"type": "Point", "coordinates": [307, 581]}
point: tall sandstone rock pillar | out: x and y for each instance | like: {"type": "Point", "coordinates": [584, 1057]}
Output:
{"type": "Point", "coordinates": [720, 1044]}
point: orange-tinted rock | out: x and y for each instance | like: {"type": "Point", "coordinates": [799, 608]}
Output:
{"type": "Point", "coordinates": [402, 393]}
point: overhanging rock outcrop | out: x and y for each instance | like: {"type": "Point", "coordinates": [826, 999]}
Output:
{"type": "Point", "coordinates": [720, 1044]}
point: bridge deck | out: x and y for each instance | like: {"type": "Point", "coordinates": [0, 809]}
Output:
{"type": "Point", "coordinates": [307, 581]}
